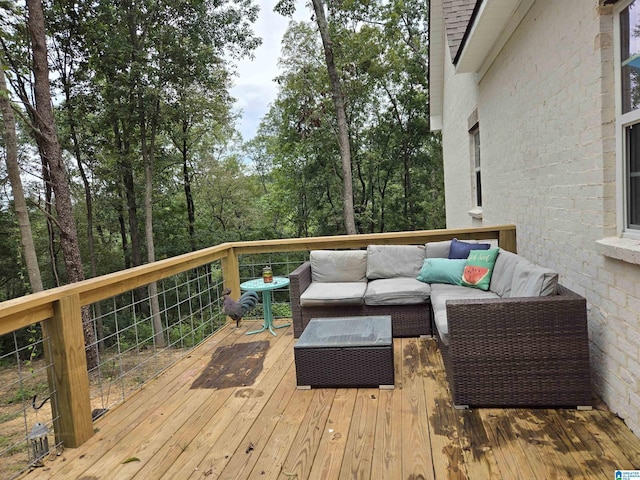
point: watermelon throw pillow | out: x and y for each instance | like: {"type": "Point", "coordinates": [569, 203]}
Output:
{"type": "Point", "coordinates": [477, 272]}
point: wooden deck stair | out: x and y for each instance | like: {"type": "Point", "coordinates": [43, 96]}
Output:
{"type": "Point", "coordinates": [267, 429]}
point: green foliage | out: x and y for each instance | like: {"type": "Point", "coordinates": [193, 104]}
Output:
{"type": "Point", "coordinates": [190, 332]}
{"type": "Point", "coordinates": [281, 310]}
{"type": "Point", "coordinates": [13, 281]}
{"type": "Point", "coordinates": [153, 79]}
{"type": "Point", "coordinates": [381, 52]}
{"type": "Point", "coordinates": [138, 334]}
{"type": "Point", "coordinates": [25, 392]}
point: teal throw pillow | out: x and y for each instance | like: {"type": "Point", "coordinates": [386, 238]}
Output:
{"type": "Point", "coordinates": [477, 272]}
{"type": "Point", "coordinates": [442, 270]}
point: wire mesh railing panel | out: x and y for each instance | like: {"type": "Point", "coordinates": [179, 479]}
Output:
{"type": "Point", "coordinates": [26, 412]}
{"type": "Point", "coordinates": [282, 264]}
{"type": "Point", "coordinates": [139, 334]}
{"type": "Point", "coordinates": [143, 332]}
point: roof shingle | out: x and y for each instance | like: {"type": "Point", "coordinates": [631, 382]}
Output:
{"type": "Point", "coordinates": [457, 14]}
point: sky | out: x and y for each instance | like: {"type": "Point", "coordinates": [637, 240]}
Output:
{"type": "Point", "coordinates": [254, 87]}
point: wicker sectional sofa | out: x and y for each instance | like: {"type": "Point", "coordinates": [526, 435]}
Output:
{"type": "Point", "coordinates": [335, 284]}
{"type": "Point", "coordinates": [523, 342]}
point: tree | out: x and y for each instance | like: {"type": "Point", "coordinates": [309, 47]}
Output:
{"type": "Point", "coordinates": [19, 201]}
{"type": "Point", "coordinates": [379, 50]}
{"type": "Point", "coordinates": [199, 116]}
{"type": "Point", "coordinates": [341, 117]}
{"type": "Point", "coordinates": [51, 154]}
{"type": "Point", "coordinates": [287, 7]}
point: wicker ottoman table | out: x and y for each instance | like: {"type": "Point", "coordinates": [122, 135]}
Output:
{"type": "Point", "coordinates": [345, 352]}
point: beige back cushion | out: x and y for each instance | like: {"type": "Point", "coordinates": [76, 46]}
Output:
{"type": "Point", "coordinates": [531, 280]}
{"type": "Point", "coordinates": [437, 249]}
{"type": "Point", "coordinates": [502, 276]}
{"type": "Point", "coordinates": [338, 266]}
{"type": "Point", "coordinates": [393, 261]}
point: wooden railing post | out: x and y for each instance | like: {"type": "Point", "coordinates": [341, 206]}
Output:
{"type": "Point", "coordinates": [231, 272]}
{"type": "Point", "coordinates": [507, 240]}
{"type": "Point", "coordinates": [73, 425]}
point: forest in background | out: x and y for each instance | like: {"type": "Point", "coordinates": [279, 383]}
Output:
{"type": "Point", "coordinates": [145, 119]}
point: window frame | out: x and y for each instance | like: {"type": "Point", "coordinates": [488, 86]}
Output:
{"type": "Point", "coordinates": [623, 122]}
{"type": "Point", "coordinates": [476, 165]}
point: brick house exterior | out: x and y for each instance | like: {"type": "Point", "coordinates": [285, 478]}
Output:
{"type": "Point", "coordinates": [525, 93]}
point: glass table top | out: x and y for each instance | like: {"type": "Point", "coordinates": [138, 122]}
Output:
{"type": "Point", "coordinates": [364, 331]}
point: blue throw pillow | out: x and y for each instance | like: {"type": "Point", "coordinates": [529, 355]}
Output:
{"type": "Point", "coordinates": [442, 270]}
{"type": "Point", "coordinates": [460, 249]}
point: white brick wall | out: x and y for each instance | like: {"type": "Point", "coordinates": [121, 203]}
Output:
{"type": "Point", "coordinates": [547, 126]}
{"type": "Point", "coordinates": [460, 99]}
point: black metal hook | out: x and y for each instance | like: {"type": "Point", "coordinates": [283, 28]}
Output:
{"type": "Point", "coordinates": [33, 402]}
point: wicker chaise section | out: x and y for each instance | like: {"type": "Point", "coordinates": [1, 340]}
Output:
{"type": "Point", "coordinates": [519, 351]}
{"type": "Point", "coordinates": [299, 281]}
{"type": "Point", "coordinates": [406, 320]}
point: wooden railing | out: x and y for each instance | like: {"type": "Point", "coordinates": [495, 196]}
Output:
{"type": "Point", "coordinates": [59, 309]}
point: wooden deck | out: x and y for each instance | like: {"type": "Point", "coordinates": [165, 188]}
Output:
{"type": "Point", "coordinates": [246, 419]}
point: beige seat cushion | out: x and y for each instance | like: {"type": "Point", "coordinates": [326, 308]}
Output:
{"type": "Point", "coordinates": [396, 291]}
{"type": "Point", "coordinates": [318, 294]}
{"type": "Point", "coordinates": [441, 293]}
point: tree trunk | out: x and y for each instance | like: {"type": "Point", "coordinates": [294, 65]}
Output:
{"type": "Point", "coordinates": [51, 230]}
{"type": "Point", "coordinates": [148, 157]}
{"type": "Point", "coordinates": [132, 209]}
{"type": "Point", "coordinates": [191, 216]}
{"type": "Point", "coordinates": [13, 170]}
{"type": "Point", "coordinates": [88, 198]}
{"type": "Point", "coordinates": [120, 201]}
{"type": "Point", "coordinates": [123, 146]}
{"type": "Point", "coordinates": [343, 130]}
{"type": "Point", "coordinates": [20, 205]}
{"type": "Point", "coordinates": [47, 138]}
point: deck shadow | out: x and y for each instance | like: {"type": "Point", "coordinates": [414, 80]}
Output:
{"type": "Point", "coordinates": [233, 366]}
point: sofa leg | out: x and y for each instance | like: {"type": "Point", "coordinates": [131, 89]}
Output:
{"type": "Point", "coordinates": [585, 407]}
{"type": "Point", "coordinates": [461, 407]}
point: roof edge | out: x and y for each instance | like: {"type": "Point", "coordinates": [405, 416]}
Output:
{"type": "Point", "coordinates": [472, 20]}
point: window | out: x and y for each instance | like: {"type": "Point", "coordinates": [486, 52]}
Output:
{"type": "Point", "coordinates": [632, 172]}
{"type": "Point", "coordinates": [477, 183]}
{"type": "Point", "coordinates": [629, 112]}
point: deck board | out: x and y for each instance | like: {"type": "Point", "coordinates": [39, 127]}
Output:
{"type": "Point", "coordinates": [358, 455]}
{"type": "Point", "coordinates": [267, 429]}
{"type": "Point", "coordinates": [443, 420]}
{"type": "Point", "coordinates": [331, 450]}
{"type": "Point", "coordinates": [387, 458]}
{"type": "Point", "coordinates": [302, 451]}
{"type": "Point", "coordinates": [257, 439]}
{"type": "Point", "coordinates": [275, 452]}
{"type": "Point", "coordinates": [416, 452]}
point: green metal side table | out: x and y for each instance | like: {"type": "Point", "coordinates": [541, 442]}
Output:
{"type": "Point", "coordinates": [258, 285]}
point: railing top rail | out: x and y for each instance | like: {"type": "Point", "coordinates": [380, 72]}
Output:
{"type": "Point", "coordinates": [39, 306]}
{"type": "Point", "coordinates": [19, 312]}
{"type": "Point", "coordinates": [360, 240]}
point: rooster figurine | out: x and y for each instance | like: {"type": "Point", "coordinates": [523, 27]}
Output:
{"type": "Point", "coordinates": [236, 310]}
